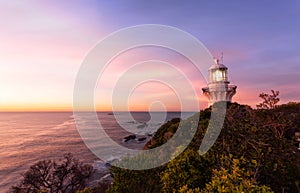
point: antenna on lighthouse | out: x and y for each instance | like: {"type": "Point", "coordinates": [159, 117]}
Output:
{"type": "Point", "coordinates": [221, 58]}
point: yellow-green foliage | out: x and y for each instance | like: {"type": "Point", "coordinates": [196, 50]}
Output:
{"type": "Point", "coordinates": [190, 168]}
{"type": "Point", "coordinates": [234, 180]}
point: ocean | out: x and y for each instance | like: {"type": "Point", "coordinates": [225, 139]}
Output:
{"type": "Point", "coordinates": [26, 138]}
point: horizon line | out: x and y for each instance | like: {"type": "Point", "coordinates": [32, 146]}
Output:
{"type": "Point", "coordinates": [121, 111]}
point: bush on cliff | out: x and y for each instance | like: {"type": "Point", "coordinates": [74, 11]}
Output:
{"type": "Point", "coordinates": [264, 136]}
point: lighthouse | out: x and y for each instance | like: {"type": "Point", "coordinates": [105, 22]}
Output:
{"type": "Point", "coordinates": [218, 87]}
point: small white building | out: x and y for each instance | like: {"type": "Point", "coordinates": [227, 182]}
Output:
{"type": "Point", "coordinates": [218, 87]}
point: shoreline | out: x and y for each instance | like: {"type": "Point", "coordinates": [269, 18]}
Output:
{"type": "Point", "coordinates": [102, 173]}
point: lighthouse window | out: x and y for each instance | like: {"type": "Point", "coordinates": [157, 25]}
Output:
{"type": "Point", "coordinates": [218, 75]}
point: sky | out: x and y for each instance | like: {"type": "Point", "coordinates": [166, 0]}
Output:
{"type": "Point", "coordinates": [43, 44]}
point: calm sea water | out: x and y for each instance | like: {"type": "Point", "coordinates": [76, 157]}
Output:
{"type": "Point", "coordinates": [26, 138]}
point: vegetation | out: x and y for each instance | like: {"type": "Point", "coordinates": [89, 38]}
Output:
{"type": "Point", "coordinates": [190, 169]}
{"type": "Point", "coordinates": [131, 181]}
{"type": "Point", "coordinates": [269, 100]}
{"type": "Point", "coordinates": [67, 176]}
{"type": "Point", "coordinates": [256, 151]}
{"type": "Point", "coordinates": [234, 180]}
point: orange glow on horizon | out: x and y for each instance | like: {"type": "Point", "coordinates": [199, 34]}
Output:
{"type": "Point", "coordinates": [34, 107]}
{"type": "Point", "coordinates": [243, 97]}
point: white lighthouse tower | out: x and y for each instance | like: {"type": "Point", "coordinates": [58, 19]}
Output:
{"type": "Point", "coordinates": [218, 87]}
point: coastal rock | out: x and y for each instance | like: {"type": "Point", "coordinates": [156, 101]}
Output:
{"type": "Point", "coordinates": [128, 138]}
{"type": "Point", "coordinates": [142, 139]}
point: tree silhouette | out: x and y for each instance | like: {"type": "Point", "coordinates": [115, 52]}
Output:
{"type": "Point", "coordinates": [50, 176]}
{"type": "Point", "coordinates": [269, 100]}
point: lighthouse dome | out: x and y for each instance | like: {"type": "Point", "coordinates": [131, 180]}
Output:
{"type": "Point", "coordinates": [217, 65]}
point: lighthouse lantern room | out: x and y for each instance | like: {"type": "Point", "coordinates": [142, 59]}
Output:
{"type": "Point", "coordinates": [218, 87]}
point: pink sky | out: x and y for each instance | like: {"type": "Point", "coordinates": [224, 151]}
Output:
{"type": "Point", "coordinates": [42, 45]}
